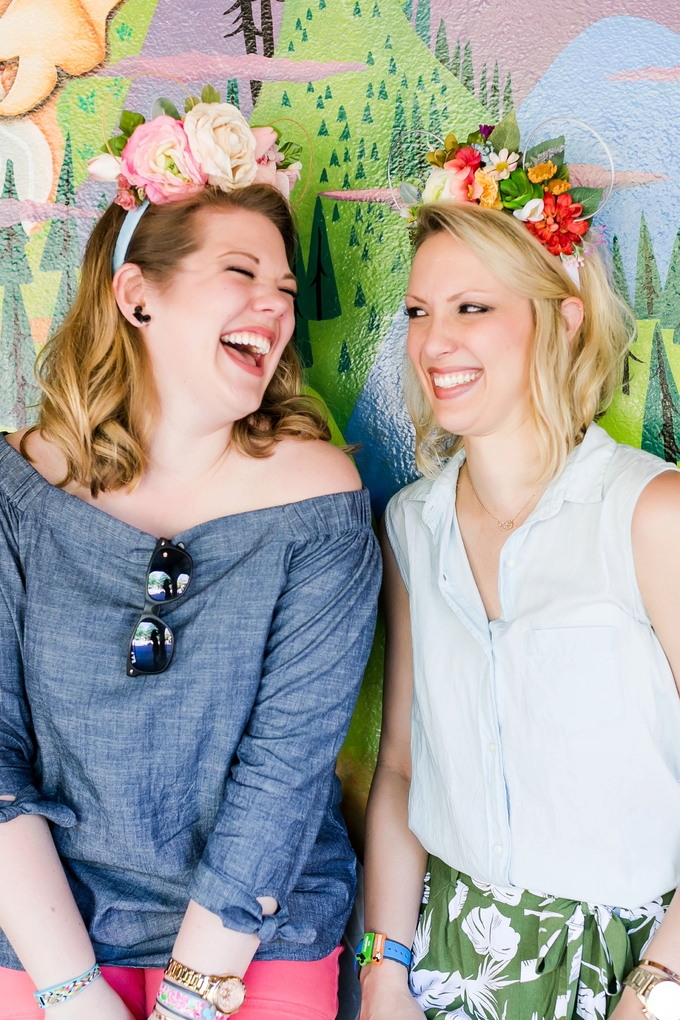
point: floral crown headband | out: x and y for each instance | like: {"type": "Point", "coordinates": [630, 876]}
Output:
{"type": "Point", "coordinates": [489, 170]}
{"type": "Point", "coordinates": [172, 157]}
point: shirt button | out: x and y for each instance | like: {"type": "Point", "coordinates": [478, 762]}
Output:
{"type": "Point", "coordinates": [445, 577]}
{"type": "Point", "coordinates": [510, 563]}
{"type": "Point", "coordinates": [498, 849]}
{"type": "Point", "coordinates": [492, 747]}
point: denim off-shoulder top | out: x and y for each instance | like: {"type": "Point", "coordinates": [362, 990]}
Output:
{"type": "Point", "coordinates": [214, 780]}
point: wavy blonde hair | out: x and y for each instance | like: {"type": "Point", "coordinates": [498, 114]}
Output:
{"type": "Point", "coordinates": [98, 396]}
{"type": "Point", "coordinates": [571, 382]}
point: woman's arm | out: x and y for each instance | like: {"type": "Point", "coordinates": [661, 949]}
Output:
{"type": "Point", "coordinates": [656, 549]}
{"type": "Point", "coordinates": [41, 920]}
{"type": "Point", "coordinates": [395, 860]}
{"type": "Point", "coordinates": [276, 796]}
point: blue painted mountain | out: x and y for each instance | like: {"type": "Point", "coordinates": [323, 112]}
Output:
{"type": "Point", "coordinates": [637, 119]}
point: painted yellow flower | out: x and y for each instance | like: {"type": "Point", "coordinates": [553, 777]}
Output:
{"type": "Point", "coordinates": [542, 172]}
{"type": "Point", "coordinates": [489, 198]}
{"type": "Point", "coordinates": [558, 187]}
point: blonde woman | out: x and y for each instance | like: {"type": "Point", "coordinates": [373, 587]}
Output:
{"type": "Point", "coordinates": [187, 601]}
{"type": "Point", "coordinates": [524, 820]}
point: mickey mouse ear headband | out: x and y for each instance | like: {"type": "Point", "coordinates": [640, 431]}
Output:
{"type": "Point", "coordinates": [172, 157]}
{"type": "Point", "coordinates": [554, 200]}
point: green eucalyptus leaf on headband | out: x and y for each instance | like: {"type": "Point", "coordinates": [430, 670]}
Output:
{"type": "Point", "coordinates": [163, 107]}
{"type": "Point", "coordinates": [562, 173]}
{"type": "Point", "coordinates": [210, 95]}
{"type": "Point", "coordinates": [129, 121]}
{"type": "Point", "coordinates": [552, 150]}
{"type": "Point", "coordinates": [115, 145]}
{"type": "Point", "coordinates": [589, 198]}
{"type": "Point", "coordinates": [292, 153]}
{"type": "Point", "coordinates": [190, 102]}
{"type": "Point", "coordinates": [409, 193]}
{"type": "Point", "coordinates": [506, 134]}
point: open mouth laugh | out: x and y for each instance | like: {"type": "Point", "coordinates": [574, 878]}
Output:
{"type": "Point", "coordinates": [248, 348]}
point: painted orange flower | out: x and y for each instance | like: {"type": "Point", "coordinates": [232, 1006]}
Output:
{"type": "Point", "coordinates": [560, 230]}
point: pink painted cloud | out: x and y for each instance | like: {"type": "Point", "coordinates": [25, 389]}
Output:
{"type": "Point", "coordinates": [201, 67]}
{"type": "Point", "coordinates": [14, 211]}
{"type": "Point", "coordinates": [648, 74]}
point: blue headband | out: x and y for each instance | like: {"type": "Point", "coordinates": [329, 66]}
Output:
{"type": "Point", "coordinates": [125, 236]}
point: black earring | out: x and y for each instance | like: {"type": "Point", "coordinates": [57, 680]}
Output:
{"type": "Point", "coordinates": [140, 317]}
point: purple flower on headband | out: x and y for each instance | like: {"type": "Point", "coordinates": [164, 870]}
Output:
{"type": "Point", "coordinates": [485, 130]}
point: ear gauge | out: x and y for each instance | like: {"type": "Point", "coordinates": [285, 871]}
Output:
{"type": "Point", "coordinates": [140, 316]}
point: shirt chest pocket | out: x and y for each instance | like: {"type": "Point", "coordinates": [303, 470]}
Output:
{"type": "Point", "coordinates": [573, 677]}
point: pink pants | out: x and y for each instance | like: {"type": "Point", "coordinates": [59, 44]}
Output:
{"type": "Point", "coordinates": [277, 990]}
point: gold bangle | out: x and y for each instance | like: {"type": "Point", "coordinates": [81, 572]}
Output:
{"type": "Point", "coordinates": [659, 966]}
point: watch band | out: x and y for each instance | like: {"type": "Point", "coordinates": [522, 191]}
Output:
{"type": "Point", "coordinates": [188, 978]}
{"type": "Point", "coordinates": [376, 947]}
{"type": "Point", "coordinates": [642, 983]}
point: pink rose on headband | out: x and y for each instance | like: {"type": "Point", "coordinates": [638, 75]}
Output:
{"type": "Point", "coordinates": [157, 158]}
{"type": "Point", "coordinates": [448, 186]}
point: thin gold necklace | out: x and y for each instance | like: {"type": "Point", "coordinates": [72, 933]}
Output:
{"type": "Point", "coordinates": [503, 525]}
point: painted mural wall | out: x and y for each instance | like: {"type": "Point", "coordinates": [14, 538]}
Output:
{"type": "Point", "coordinates": [352, 81]}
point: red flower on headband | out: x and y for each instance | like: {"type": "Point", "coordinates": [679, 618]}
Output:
{"type": "Point", "coordinates": [560, 230]}
{"type": "Point", "coordinates": [464, 164]}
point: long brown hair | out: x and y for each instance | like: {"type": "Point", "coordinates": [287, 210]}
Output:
{"type": "Point", "coordinates": [98, 396]}
{"type": "Point", "coordinates": [571, 382]}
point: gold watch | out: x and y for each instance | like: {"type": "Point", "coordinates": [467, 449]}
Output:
{"type": "Point", "coordinates": [659, 995]}
{"type": "Point", "coordinates": [225, 992]}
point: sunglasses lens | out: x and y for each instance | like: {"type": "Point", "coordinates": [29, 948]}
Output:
{"type": "Point", "coordinates": [169, 574]}
{"type": "Point", "coordinates": [151, 646]}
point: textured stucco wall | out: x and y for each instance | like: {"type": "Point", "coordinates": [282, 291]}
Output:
{"type": "Point", "coordinates": [346, 78]}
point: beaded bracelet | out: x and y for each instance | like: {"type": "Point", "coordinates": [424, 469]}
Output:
{"type": "Point", "coordinates": [59, 993]}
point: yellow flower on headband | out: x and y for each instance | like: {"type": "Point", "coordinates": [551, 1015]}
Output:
{"type": "Point", "coordinates": [558, 187]}
{"type": "Point", "coordinates": [489, 197]}
{"type": "Point", "coordinates": [542, 172]}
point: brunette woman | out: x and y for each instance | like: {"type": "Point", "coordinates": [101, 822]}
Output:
{"type": "Point", "coordinates": [188, 595]}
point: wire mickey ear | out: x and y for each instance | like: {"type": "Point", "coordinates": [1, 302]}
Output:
{"type": "Point", "coordinates": [527, 160]}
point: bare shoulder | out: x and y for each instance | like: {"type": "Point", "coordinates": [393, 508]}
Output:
{"type": "Point", "coordinates": [45, 457]}
{"type": "Point", "coordinates": [657, 513]}
{"type": "Point", "coordinates": [308, 468]}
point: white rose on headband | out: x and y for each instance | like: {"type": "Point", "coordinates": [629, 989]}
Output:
{"type": "Point", "coordinates": [222, 144]}
{"type": "Point", "coordinates": [105, 167]}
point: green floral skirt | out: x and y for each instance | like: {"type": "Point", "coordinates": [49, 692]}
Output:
{"type": "Point", "coordinates": [486, 953]}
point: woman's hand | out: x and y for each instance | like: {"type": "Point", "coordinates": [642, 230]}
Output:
{"type": "Point", "coordinates": [97, 1000]}
{"type": "Point", "coordinates": [385, 994]}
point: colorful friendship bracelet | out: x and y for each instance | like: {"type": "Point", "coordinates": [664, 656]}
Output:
{"type": "Point", "coordinates": [375, 947]}
{"type": "Point", "coordinates": [59, 993]}
{"type": "Point", "coordinates": [183, 1003]}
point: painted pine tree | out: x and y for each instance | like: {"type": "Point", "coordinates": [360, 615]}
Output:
{"type": "Point", "coordinates": [669, 305]}
{"type": "Point", "coordinates": [18, 391]}
{"type": "Point", "coordinates": [303, 342]}
{"type": "Point", "coordinates": [423, 21]}
{"type": "Point", "coordinates": [647, 280]}
{"type": "Point", "coordinates": [454, 66]}
{"type": "Point", "coordinates": [322, 298]}
{"type": "Point", "coordinates": [441, 47]}
{"type": "Point", "coordinates": [483, 87]}
{"type": "Point", "coordinates": [494, 104]}
{"type": "Point", "coordinates": [397, 156]}
{"type": "Point", "coordinates": [661, 426]}
{"type": "Point", "coordinates": [467, 73]}
{"type": "Point", "coordinates": [62, 251]}
{"type": "Point", "coordinates": [508, 101]}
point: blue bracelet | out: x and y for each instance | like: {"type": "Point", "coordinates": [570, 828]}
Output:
{"type": "Point", "coordinates": [60, 993]}
{"type": "Point", "coordinates": [374, 948]}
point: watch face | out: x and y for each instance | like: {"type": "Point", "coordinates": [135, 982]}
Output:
{"type": "Point", "coordinates": [663, 1001]}
{"type": "Point", "coordinates": [231, 992]}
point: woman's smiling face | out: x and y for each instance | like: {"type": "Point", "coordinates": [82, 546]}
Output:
{"type": "Point", "coordinates": [218, 328]}
{"type": "Point", "coordinates": [470, 340]}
